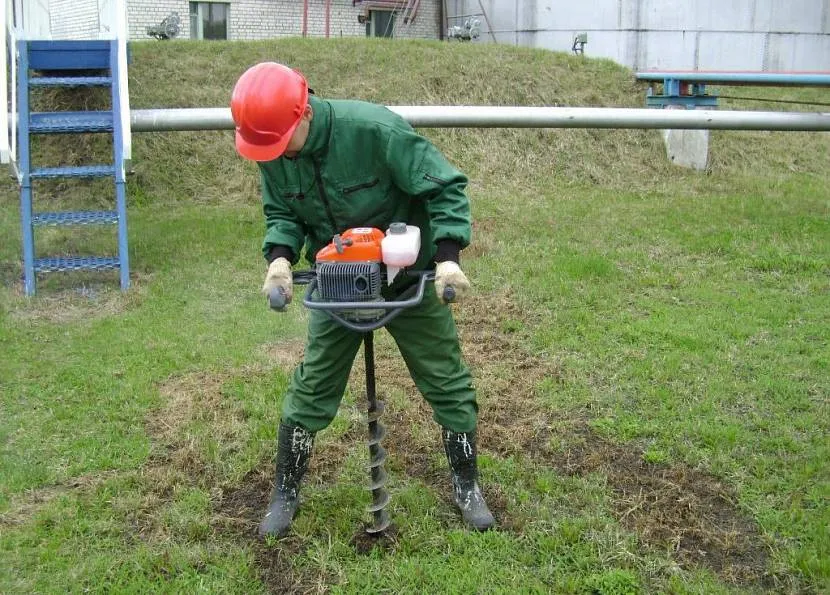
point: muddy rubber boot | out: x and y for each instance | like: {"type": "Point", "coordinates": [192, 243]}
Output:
{"type": "Point", "coordinates": [293, 453]}
{"type": "Point", "coordinates": [461, 455]}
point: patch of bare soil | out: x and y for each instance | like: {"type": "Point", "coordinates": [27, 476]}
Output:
{"type": "Point", "coordinates": [364, 542]}
{"type": "Point", "coordinates": [237, 510]}
{"type": "Point", "coordinates": [88, 296]}
{"type": "Point", "coordinates": [285, 354]}
{"type": "Point", "coordinates": [669, 506]}
{"type": "Point", "coordinates": [22, 508]}
{"type": "Point", "coordinates": [691, 513]}
{"type": "Point", "coordinates": [237, 514]}
{"type": "Point", "coordinates": [672, 507]}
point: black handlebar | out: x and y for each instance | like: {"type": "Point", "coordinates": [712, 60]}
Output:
{"type": "Point", "coordinates": [411, 297]}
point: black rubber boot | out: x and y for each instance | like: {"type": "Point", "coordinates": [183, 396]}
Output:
{"type": "Point", "coordinates": [293, 453]}
{"type": "Point", "coordinates": [461, 454]}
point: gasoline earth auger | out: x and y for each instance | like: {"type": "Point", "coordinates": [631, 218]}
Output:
{"type": "Point", "coordinates": [346, 283]}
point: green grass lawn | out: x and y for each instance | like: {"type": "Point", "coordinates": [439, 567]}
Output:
{"type": "Point", "coordinates": [650, 346]}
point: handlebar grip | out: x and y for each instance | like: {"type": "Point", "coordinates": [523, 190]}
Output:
{"type": "Point", "coordinates": [449, 294]}
{"type": "Point", "coordinates": [277, 299]}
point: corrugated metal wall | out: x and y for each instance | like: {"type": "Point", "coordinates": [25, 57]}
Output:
{"type": "Point", "coordinates": [753, 35]}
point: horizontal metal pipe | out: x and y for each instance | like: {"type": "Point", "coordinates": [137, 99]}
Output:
{"type": "Point", "coordinates": [670, 30]}
{"type": "Point", "coordinates": [474, 116]}
{"type": "Point", "coordinates": [182, 119]}
{"type": "Point", "coordinates": [817, 79]}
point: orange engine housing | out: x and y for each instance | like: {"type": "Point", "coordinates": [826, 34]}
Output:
{"type": "Point", "coordinates": [358, 244]}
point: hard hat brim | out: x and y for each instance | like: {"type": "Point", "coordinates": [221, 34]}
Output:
{"type": "Point", "coordinates": [270, 152]}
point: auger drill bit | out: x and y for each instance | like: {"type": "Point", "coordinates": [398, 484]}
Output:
{"type": "Point", "coordinates": [377, 454]}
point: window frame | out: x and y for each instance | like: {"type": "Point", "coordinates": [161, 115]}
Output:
{"type": "Point", "coordinates": [202, 12]}
{"type": "Point", "coordinates": [371, 23]}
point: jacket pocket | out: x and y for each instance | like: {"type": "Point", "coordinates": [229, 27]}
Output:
{"type": "Point", "coordinates": [346, 190]}
{"type": "Point", "coordinates": [364, 201]}
{"type": "Point", "coordinates": [435, 180]}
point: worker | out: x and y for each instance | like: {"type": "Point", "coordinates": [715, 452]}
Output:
{"type": "Point", "coordinates": [330, 165]}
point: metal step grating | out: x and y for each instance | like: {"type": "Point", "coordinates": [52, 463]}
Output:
{"type": "Point", "coordinates": [75, 218]}
{"type": "Point", "coordinates": [70, 81]}
{"type": "Point", "coordinates": [75, 263]}
{"type": "Point", "coordinates": [75, 171]}
{"type": "Point", "coordinates": [65, 122]}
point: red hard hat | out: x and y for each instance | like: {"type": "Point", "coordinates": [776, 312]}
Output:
{"type": "Point", "coordinates": [267, 105]}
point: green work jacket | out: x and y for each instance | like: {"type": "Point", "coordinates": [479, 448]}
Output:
{"type": "Point", "coordinates": [362, 166]}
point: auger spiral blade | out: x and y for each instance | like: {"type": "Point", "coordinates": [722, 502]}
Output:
{"type": "Point", "coordinates": [380, 500]}
{"type": "Point", "coordinates": [380, 516]}
{"type": "Point", "coordinates": [378, 479]}
{"type": "Point", "coordinates": [375, 413]}
{"type": "Point", "coordinates": [377, 454]}
{"type": "Point", "coordinates": [380, 497]}
{"type": "Point", "coordinates": [380, 523]}
{"type": "Point", "coordinates": [377, 457]}
{"type": "Point", "coordinates": [376, 433]}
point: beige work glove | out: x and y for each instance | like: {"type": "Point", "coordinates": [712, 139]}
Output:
{"type": "Point", "coordinates": [279, 276]}
{"type": "Point", "coordinates": [449, 274]}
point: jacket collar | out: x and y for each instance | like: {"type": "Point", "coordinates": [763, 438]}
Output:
{"type": "Point", "coordinates": [319, 129]}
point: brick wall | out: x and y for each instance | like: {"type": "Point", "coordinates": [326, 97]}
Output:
{"type": "Point", "coordinates": [264, 19]}
{"type": "Point", "coordinates": [145, 13]}
{"type": "Point", "coordinates": [427, 23]}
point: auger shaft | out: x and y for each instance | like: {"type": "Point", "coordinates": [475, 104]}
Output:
{"type": "Point", "coordinates": [377, 454]}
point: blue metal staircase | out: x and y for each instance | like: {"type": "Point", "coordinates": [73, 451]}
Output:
{"type": "Point", "coordinates": [68, 64]}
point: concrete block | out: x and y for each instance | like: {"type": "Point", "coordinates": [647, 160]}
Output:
{"type": "Point", "coordinates": [687, 148]}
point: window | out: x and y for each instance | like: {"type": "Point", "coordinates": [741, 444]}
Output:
{"type": "Point", "coordinates": [208, 20]}
{"type": "Point", "coordinates": [381, 23]}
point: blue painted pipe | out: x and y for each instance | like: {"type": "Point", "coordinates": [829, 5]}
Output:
{"type": "Point", "coordinates": [800, 79]}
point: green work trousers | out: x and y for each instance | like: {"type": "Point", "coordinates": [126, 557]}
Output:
{"type": "Point", "coordinates": [428, 341]}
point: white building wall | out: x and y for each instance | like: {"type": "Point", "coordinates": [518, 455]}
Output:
{"type": "Point", "coordinates": [667, 34]}
{"type": "Point", "coordinates": [266, 19]}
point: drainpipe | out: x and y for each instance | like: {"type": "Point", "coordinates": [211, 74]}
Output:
{"type": "Point", "coordinates": [328, 17]}
{"type": "Point", "coordinates": [305, 18]}
{"type": "Point", "coordinates": [443, 25]}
